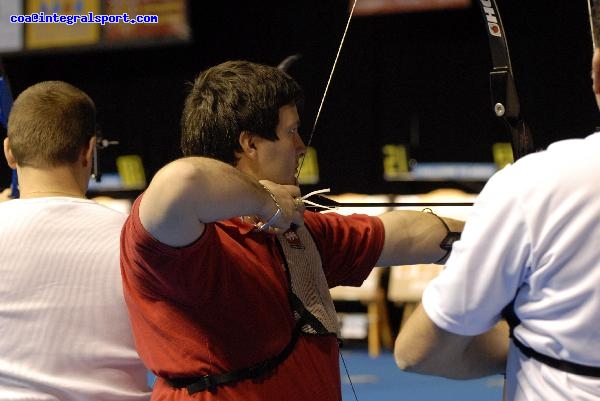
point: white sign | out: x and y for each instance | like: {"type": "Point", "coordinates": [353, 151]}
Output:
{"type": "Point", "coordinates": [11, 35]}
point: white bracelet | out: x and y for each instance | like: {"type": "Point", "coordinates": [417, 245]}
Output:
{"type": "Point", "coordinates": [269, 223]}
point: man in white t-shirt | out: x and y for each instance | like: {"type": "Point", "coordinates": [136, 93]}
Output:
{"type": "Point", "coordinates": [64, 329]}
{"type": "Point", "coordinates": [533, 237]}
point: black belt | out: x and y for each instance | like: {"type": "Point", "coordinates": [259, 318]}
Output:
{"type": "Point", "coordinates": [565, 366]}
{"type": "Point", "coordinates": [570, 367]}
{"type": "Point", "coordinates": [210, 382]}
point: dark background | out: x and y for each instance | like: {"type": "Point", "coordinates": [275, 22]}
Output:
{"type": "Point", "coordinates": [420, 79]}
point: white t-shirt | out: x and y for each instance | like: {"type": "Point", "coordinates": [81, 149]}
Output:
{"type": "Point", "coordinates": [64, 328]}
{"type": "Point", "coordinates": [535, 228]}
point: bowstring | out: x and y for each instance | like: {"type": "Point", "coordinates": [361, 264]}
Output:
{"type": "Point", "coordinates": [310, 138]}
{"type": "Point", "coordinates": [591, 11]}
{"type": "Point", "coordinates": [335, 61]}
{"type": "Point", "coordinates": [348, 374]}
{"type": "Point", "coordinates": [312, 134]}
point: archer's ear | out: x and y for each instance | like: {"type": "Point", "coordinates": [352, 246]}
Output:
{"type": "Point", "coordinates": [247, 143]}
{"type": "Point", "coordinates": [10, 159]}
{"type": "Point", "coordinates": [88, 153]}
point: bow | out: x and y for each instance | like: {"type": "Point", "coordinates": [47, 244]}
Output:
{"type": "Point", "coordinates": [503, 90]}
{"type": "Point", "coordinates": [321, 202]}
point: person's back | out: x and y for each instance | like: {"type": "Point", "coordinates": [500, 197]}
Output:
{"type": "Point", "coordinates": [541, 241]}
{"type": "Point", "coordinates": [531, 239]}
{"type": "Point", "coordinates": [63, 322]}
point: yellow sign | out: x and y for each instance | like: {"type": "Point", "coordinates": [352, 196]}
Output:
{"type": "Point", "coordinates": [309, 171]}
{"type": "Point", "coordinates": [503, 154]}
{"type": "Point", "coordinates": [395, 161]}
{"type": "Point", "coordinates": [61, 34]}
{"type": "Point", "coordinates": [131, 171]}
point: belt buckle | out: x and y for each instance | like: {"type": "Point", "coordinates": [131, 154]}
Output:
{"type": "Point", "coordinates": [206, 382]}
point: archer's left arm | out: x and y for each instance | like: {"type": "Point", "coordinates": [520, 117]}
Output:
{"type": "Point", "coordinates": [413, 237]}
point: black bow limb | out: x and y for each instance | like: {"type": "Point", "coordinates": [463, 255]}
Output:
{"type": "Point", "coordinates": [503, 90]}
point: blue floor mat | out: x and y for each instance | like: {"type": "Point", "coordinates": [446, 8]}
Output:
{"type": "Point", "coordinates": [378, 379]}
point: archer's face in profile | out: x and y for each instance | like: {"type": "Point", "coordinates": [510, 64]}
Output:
{"type": "Point", "coordinates": [278, 160]}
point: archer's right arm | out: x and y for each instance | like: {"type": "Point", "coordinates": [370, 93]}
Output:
{"type": "Point", "coordinates": [189, 192]}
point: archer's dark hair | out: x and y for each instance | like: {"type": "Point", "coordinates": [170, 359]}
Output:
{"type": "Point", "coordinates": [50, 123]}
{"type": "Point", "coordinates": [230, 98]}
